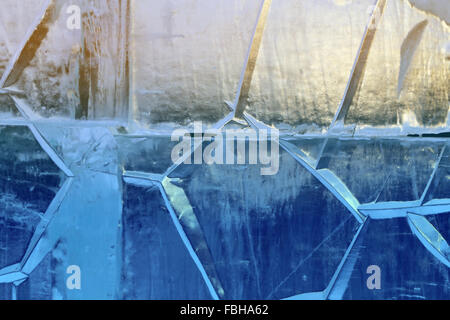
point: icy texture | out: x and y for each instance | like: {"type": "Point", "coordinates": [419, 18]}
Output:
{"type": "Point", "coordinates": [188, 57]}
{"type": "Point", "coordinates": [92, 147]}
{"type": "Point", "coordinates": [29, 181]}
{"type": "Point", "coordinates": [442, 224]}
{"type": "Point", "coordinates": [262, 243]}
{"type": "Point", "coordinates": [431, 239]}
{"type": "Point", "coordinates": [382, 169]}
{"type": "Point", "coordinates": [409, 271]}
{"type": "Point", "coordinates": [86, 231]}
{"type": "Point", "coordinates": [440, 186]}
{"type": "Point", "coordinates": [225, 231]}
{"type": "Point", "coordinates": [438, 8]}
{"type": "Point", "coordinates": [27, 173]}
{"type": "Point", "coordinates": [148, 154]}
{"type": "Point", "coordinates": [309, 146]}
{"type": "Point", "coordinates": [5, 292]}
{"type": "Point", "coordinates": [39, 285]}
{"type": "Point", "coordinates": [89, 194]}
{"type": "Point", "coordinates": [79, 210]}
{"type": "Point", "coordinates": [70, 73]}
{"type": "Point", "coordinates": [302, 69]}
{"type": "Point", "coordinates": [7, 108]}
{"type": "Point", "coordinates": [184, 59]}
{"type": "Point", "coordinates": [408, 50]}
{"type": "Point", "coordinates": [424, 99]}
{"type": "Point", "coordinates": [152, 248]}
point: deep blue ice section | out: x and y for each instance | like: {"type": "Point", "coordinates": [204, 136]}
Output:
{"type": "Point", "coordinates": [156, 262]}
{"type": "Point", "coordinates": [381, 170]}
{"type": "Point", "coordinates": [310, 146]}
{"type": "Point", "coordinates": [5, 291]}
{"type": "Point", "coordinates": [442, 224]}
{"type": "Point", "coordinates": [146, 154]}
{"type": "Point", "coordinates": [253, 236]}
{"type": "Point", "coordinates": [270, 237]}
{"type": "Point", "coordinates": [26, 171]}
{"type": "Point", "coordinates": [29, 180]}
{"type": "Point", "coordinates": [39, 285]}
{"type": "Point", "coordinates": [408, 270]}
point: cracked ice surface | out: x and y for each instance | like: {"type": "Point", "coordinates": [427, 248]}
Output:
{"type": "Point", "coordinates": [442, 224]}
{"type": "Point", "coordinates": [440, 186]}
{"type": "Point", "coordinates": [260, 241]}
{"type": "Point", "coordinates": [237, 234]}
{"type": "Point", "coordinates": [29, 181]}
{"type": "Point", "coordinates": [294, 85]}
{"type": "Point", "coordinates": [92, 148]}
{"type": "Point", "coordinates": [152, 249]}
{"type": "Point", "coordinates": [220, 231]}
{"type": "Point", "coordinates": [409, 270]}
{"type": "Point", "coordinates": [147, 154]}
{"type": "Point", "coordinates": [81, 74]}
{"type": "Point", "coordinates": [380, 170]}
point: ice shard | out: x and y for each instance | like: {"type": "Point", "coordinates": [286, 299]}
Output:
{"type": "Point", "coordinates": [430, 238]}
{"type": "Point", "coordinates": [31, 42]}
{"type": "Point", "coordinates": [359, 67]}
{"type": "Point", "coordinates": [96, 211]}
{"type": "Point", "coordinates": [424, 100]}
{"type": "Point", "coordinates": [11, 274]}
{"type": "Point", "coordinates": [408, 50]}
{"type": "Point", "coordinates": [330, 181]}
{"type": "Point", "coordinates": [250, 63]}
{"type": "Point", "coordinates": [338, 284]}
{"type": "Point", "coordinates": [185, 216]}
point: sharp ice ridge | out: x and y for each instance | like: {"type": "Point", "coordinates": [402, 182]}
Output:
{"type": "Point", "coordinates": [391, 210]}
{"type": "Point", "coordinates": [27, 263]}
{"type": "Point", "coordinates": [49, 150]}
{"type": "Point", "coordinates": [188, 244]}
{"type": "Point", "coordinates": [339, 282]}
{"type": "Point", "coordinates": [330, 181]}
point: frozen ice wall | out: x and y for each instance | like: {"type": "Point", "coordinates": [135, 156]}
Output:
{"type": "Point", "coordinates": [188, 55]}
{"type": "Point", "coordinates": [174, 62]}
{"type": "Point", "coordinates": [112, 202]}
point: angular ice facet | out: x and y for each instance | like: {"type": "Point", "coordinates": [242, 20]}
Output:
{"type": "Point", "coordinates": [29, 180]}
{"type": "Point", "coordinates": [262, 243]}
{"type": "Point", "coordinates": [145, 154]}
{"type": "Point", "coordinates": [157, 265]}
{"type": "Point", "coordinates": [91, 147]}
{"type": "Point", "coordinates": [382, 170]}
{"type": "Point", "coordinates": [430, 238]}
{"type": "Point", "coordinates": [439, 184]}
{"type": "Point", "coordinates": [408, 269]}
